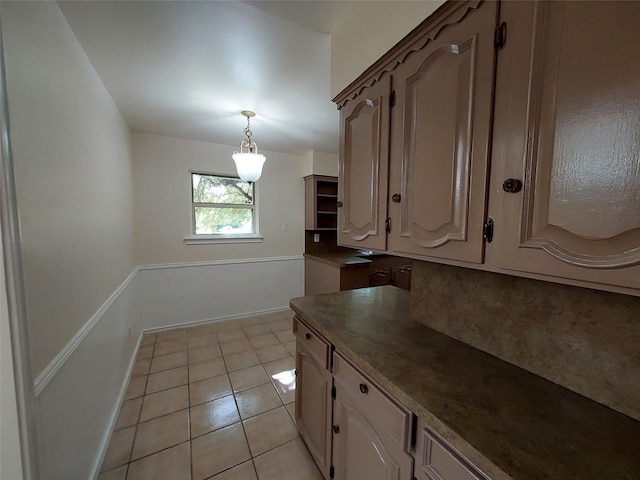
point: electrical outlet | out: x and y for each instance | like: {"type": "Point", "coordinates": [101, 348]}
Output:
{"type": "Point", "coordinates": [316, 237]}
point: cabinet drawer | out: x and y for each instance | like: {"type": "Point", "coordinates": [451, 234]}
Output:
{"type": "Point", "coordinates": [394, 417]}
{"type": "Point", "coordinates": [317, 346]}
{"type": "Point", "coordinates": [440, 461]}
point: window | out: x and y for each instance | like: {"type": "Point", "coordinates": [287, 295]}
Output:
{"type": "Point", "coordinates": [222, 206]}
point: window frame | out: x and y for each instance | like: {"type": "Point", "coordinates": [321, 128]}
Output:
{"type": "Point", "coordinates": [196, 238]}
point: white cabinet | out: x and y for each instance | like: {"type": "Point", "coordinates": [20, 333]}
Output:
{"type": "Point", "coordinates": [567, 116]}
{"type": "Point", "coordinates": [313, 394]}
{"type": "Point", "coordinates": [370, 431]}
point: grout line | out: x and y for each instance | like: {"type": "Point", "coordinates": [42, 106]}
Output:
{"type": "Point", "coordinates": [227, 373]}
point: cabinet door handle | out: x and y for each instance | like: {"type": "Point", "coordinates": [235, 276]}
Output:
{"type": "Point", "coordinates": [396, 197]}
{"type": "Point", "coordinates": [307, 336]}
{"type": "Point", "coordinates": [336, 429]}
{"type": "Point", "coordinates": [512, 185]}
{"type": "Point", "coordinates": [363, 388]}
{"type": "Point", "coordinates": [340, 204]}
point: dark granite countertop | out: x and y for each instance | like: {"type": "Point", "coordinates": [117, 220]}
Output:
{"type": "Point", "coordinates": [338, 259]}
{"type": "Point", "coordinates": [508, 421]}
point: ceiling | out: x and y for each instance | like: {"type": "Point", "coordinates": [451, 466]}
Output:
{"type": "Point", "coordinates": [188, 68]}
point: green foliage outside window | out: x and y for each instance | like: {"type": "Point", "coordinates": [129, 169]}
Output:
{"type": "Point", "coordinates": [222, 205]}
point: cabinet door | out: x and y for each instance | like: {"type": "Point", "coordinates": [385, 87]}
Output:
{"type": "Point", "coordinates": [364, 163]}
{"type": "Point", "coordinates": [361, 447]}
{"type": "Point", "coordinates": [313, 402]}
{"type": "Point", "coordinates": [440, 141]}
{"type": "Point", "coordinates": [567, 127]}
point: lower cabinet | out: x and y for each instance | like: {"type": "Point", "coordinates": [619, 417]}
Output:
{"type": "Point", "coordinates": [369, 430]}
{"type": "Point", "coordinates": [355, 430]}
{"type": "Point", "coordinates": [313, 394]}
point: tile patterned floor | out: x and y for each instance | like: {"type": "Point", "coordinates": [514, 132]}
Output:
{"type": "Point", "coordinates": [215, 402]}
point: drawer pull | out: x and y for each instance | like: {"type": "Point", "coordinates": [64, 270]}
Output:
{"type": "Point", "coordinates": [307, 336]}
{"type": "Point", "coordinates": [363, 388]}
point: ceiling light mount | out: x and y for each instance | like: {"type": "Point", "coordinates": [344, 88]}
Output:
{"type": "Point", "coordinates": [248, 163]}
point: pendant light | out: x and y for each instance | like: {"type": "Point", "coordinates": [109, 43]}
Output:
{"type": "Point", "coordinates": [248, 163]}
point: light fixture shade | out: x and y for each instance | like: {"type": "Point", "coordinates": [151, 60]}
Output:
{"type": "Point", "coordinates": [249, 165]}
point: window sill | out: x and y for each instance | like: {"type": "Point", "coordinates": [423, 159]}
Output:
{"type": "Point", "coordinates": [204, 239]}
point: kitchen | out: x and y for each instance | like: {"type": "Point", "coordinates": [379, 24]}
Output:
{"type": "Point", "coordinates": [150, 147]}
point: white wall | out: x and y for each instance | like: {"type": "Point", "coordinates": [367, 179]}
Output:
{"type": "Point", "coordinates": [10, 456]}
{"type": "Point", "coordinates": [368, 32]}
{"type": "Point", "coordinates": [320, 163]}
{"type": "Point", "coordinates": [73, 176]}
{"type": "Point", "coordinates": [163, 201]}
{"type": "Point", "coordinates": [72, 161]}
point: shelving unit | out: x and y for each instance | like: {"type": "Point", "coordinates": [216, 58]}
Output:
{"type": "Point", "coordinates": [321, 202]}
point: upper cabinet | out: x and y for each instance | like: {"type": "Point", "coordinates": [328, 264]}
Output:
{"type": "Point", "coordinates": [440, 140]}
{"type": "Point", "coordinates": [422, 126]}
{"type": "Point", "coordinates": [321, 202]}
{"type": "Point", "coordinates": [567, 136]}
{"type": "Point", "coordinates": [364, 167]}
{"type": "Point", "coordinates": [502, 136]}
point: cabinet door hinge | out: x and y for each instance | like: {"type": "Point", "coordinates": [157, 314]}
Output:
{"type": "Point", "coordinates": [333, 392]}
{"type": "Point", "coordinates": [387, 225]}
{"type": "Point", "coordinates": [500, 37]}
{"type": "Point", "coordinates": [487, 231]}
{"type": "Point", "coordinates": [332, 471]}
{"type": "Point", "coordinates": [392, 99]}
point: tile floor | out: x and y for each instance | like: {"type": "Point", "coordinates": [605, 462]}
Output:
{"type": "Point", "coordinates": [215, 402]}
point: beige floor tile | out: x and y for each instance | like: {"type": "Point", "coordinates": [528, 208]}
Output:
{"type": "Point", "coordinates": [257, 400]}
{"type": "Point", "coordinates": [136, 387]}
{"type": "Point", "coordinates": [172, 346]}
{"type": "Point", "coordinates": [202, 341]}
{"type": "Point", "coordinates": [204, 353]}
{"type": "Point", "coordinates": [119, 473]}
{"type": "Point", "coordinates": [119, 450]}
{"type": "Point", "coordinates": [170, 335]}
{"type": "Point", "coordinates": [271, 353]}
{"type": "Point", "coordinates": [160, 433]}
{"type": "Point", "coordinates": [250, 321]}
{"type": "Point", "coordinates": [280, 366]}
{"type": "Point", "coordinates": [148, 340]}
{"type": "Point", "coordinates": [213, 415]}
{"type": "Point", "coordinates": [280, 325]}
{"type": "Point", "coordinates": [291, 408]}
{"type": "Point", "coordinates": [278, 463]}
{"type": "Point", "coordinates": [167, 379]}
{"type": "Point", "coordinates": [264, 340]}
{"type": "Point", "coordinates": [167, 362]}
{"type": "Point", "coordinates": [231, 335]}
{"type": "Point", "coordinates": [209, 389]}
{"type": "Point", "coordinates": [244, 471]}
{"type": "Point", "coordinates": [235, 346]}
{"type": "Point", "coordinates": [218, 451]}
{"type": "Point", "coordinates": [204, 330]}
{"type": "Point", "coordinates": [285, 336]}
{"type": "Point", "coordinates": [248, 377]}
{"type": "Point", "coordinates": [290, 347]}
{"type": "Point", "coordinates": [172, 464]}
{"type": "Point", "coordinates": [269, 430]}
{"type": "Point", "coordinates": [145, 351]}
{"type": "Point", "coordinates": [208, 368]}
{"type": "Point", "coordinates": [241, 360]}
{"type": "Point", "coordinates": [129, 413]}
{"type": "Point", "coordinates": [255, 330]}
{"type": "Point", "coordinates": [283, 375]}
{"type": "Point", "coordinates": [162, 403]}
{"type": "Point", "coordinates": [141, 367]}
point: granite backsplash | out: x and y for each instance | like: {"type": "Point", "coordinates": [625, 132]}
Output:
{"type": "Point", "coordinates": [585, 340]}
